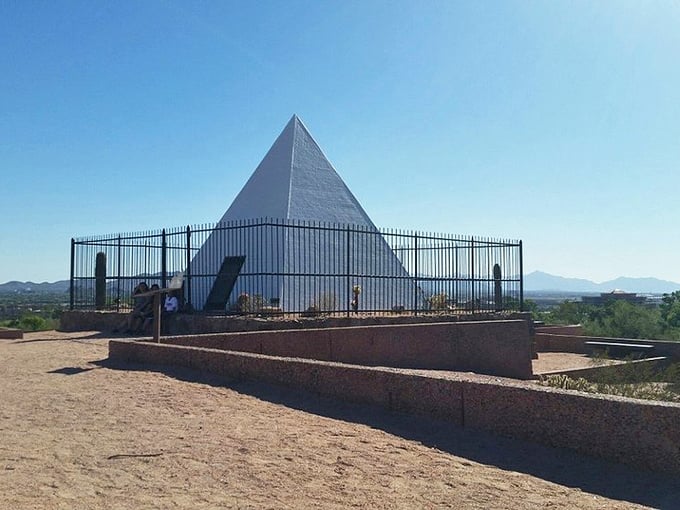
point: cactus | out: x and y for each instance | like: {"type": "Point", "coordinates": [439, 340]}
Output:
{"type": "Point", "coordinates": [497, 288]}
{"type": "Point", "coordinates": [100, 281]}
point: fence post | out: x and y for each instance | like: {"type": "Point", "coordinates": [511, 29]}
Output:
{"type": "Point", "coordinates": [521, 278]}
{"type": "Point", "coordinates": [188, 271]}
{"type": "Point", "coordinates": [100, 281]}
{"type": "Point", "coordinates": [118, 277]}
{"type": "Point", "coordinates": [415, 274]}
{"type": "Point", "coordinates": [72, 285]}
{"type": "Point", "coordinates": [497, 288]}
{"type": "Point", "coordinates": [347, 268]}
{"type": "Point", "coordinates": [164, 260]}
{"type": "Point", "coordinates": [472, 273]}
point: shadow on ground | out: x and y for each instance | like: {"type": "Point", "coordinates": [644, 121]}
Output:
{"type": "Point", "coordinates": [93, 336]}
{"type": "Point", "coordinates": [71, 370]}
{"type": "Point", "coordinates": [561, 466]}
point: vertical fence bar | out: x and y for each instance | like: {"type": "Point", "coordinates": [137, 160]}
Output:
{"type": "Point", "coordinates": [472, 274]}
{"type": "Point", "coordinates": [415, 273]}
{"type": "Point", "coordinates": [72, 285]}
{"type": "Point", "coordinates": [164, 260]}
{"type": "Point", "coordinates": [188, 268]}
{"type": "Point", "coordinates": [118, 264]}
{"type": "Point", "coordinates": [347, 267]}
{"type": "Point", "coordinates": [521, 279]}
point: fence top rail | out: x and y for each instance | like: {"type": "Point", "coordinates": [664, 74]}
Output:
{"type": "Point", "coordinates": [393, 233]}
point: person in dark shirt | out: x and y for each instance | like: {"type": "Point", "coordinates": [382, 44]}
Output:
{"type": "Point", "coordinates": [141, 307]}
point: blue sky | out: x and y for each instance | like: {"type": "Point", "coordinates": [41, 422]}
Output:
{"type": "Point", "coordinates": [557, 123]}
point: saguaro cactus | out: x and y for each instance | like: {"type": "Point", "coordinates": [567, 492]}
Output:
{"type": "Point", "coordinates": [100, 281]}
{"type": "Point", "coordinates": [497, 289]}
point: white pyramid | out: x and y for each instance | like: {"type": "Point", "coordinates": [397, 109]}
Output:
{"type": "Point", "coordinates": [295, 182]}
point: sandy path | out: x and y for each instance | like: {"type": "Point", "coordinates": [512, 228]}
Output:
{"type": "Point", "coordinates": [77, 433]}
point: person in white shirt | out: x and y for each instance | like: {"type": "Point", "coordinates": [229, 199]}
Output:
{"type": "Point", "coordinates": [171, 304]}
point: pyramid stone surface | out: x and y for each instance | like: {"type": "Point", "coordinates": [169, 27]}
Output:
{"type": "Point", "coordinates": [296, 182]}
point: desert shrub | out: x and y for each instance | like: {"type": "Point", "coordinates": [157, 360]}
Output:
{"type": "Point", "coordinates": [326, 302]}
{"type": "Point", "coordinates": [633, 380]}
{"type": "Point", "coordinates": [567, 312]}
{"type": "Point", "coordinates": [33, 322]}
{"type": "Point", "coordinates": [565, 382]}
{"type": "Point", "coordinates": [257, 303]}
{"type": "Point", "coordinates": [439, 301]}
{"type": "Point", "coordinates": [620, 318]}
{"type": "Point", "coordinates": [245, 303]}
{"type": "Point", "coordinates": [624, 320]}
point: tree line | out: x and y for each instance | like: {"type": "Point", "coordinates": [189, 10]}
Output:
{"type": "Point", "coordinates": [619, 319]}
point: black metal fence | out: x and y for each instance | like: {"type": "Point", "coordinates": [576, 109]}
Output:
{"type": "Point", "coordinates": [291, 267]}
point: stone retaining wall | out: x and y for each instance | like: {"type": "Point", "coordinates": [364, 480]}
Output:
{"type": "Point", "coordinates": [574, 329]}
{"type": "Point", "coordinates": [643, 434]}
{"type": "Point", "coordinates": [489, 347]}
{"type": "Point", "coordinates": [596, 372]}
{"type": "Point", "coordinates": [78, 320]}
{"type": "Point", "coordinates": [193, 324]}
{"type": "Point", "coordinates": [11, 334]}
{"type": "Point", "coordinates": [549, 342]}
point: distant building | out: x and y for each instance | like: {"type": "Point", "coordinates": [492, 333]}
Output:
{"type": "Point", "coordinates": [615, 295]}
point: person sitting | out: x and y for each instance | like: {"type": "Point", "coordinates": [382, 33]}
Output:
{"type": "Point", "coordinates": [170, 309]}
{"type": "Point", "coordinates": [171, 304]}
{"type": "Point", "coordinates": [144, 312]}
{"type": "Point", "coordinates": [140, 304]}
{"type": "Point", "coordinates": [147, 312]}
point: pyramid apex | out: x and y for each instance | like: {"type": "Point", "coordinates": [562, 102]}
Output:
{"type": "Point", "coordinates": [296, 181]}
{"type": "Point", "coordinates": [294, 122]}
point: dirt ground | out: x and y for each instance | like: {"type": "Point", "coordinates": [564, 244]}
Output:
{"type": "Point", "coordinates": [77, 432]}
{"type": "Point", "coordinates": [552, 361]}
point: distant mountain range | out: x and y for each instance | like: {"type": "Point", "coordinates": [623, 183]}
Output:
{"type": "Point", "coordinates": [25, 287]}
{"type": "Point", "coordinates": [533, 282]}
{"type": "Point", "coordinates": [539, 281]}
